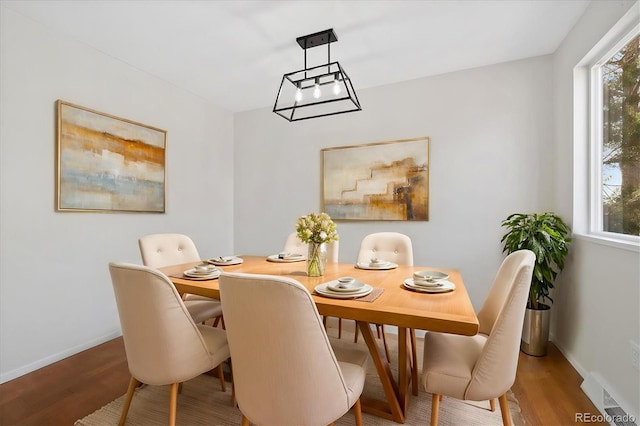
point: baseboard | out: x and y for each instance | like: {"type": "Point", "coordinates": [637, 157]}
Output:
{"type": "Point", "coordinates": [612, 407]}
{"type": "Point", "coordinates": [601, 393]}
{"type": "Point", "coordinates": [574, 363]}
{"type": "Point", "coordinates": [13, 374]}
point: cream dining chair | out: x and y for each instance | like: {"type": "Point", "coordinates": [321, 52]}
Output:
{"type": "Point", "coordinates": [163, 345]}
{"type": "Point", "coordinates": [482, 367]}
{"type": "Point", "coordinates": [285, 370]}
{"type": "Point", "coordinates": [392, 247]}
{"type": "Point", "coordinates": [295, 245]}
{"type": "Point", "coordinates": [158, 250]}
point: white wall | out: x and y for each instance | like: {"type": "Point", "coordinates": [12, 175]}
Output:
{"type": "Point", "coordinates": [597, 297]}
{"type": "Point", "coordinates": [490, 128]}
{"type": "Point", "coordinates": [55, 292]}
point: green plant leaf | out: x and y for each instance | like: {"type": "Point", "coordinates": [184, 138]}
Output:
{"type": "Point", "coordinates": [547, 236]}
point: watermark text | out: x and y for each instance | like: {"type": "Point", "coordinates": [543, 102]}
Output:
{"type": "Point", "coordinates": [603, 418]}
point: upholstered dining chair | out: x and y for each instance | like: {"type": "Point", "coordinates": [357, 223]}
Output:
{"type": "Point", "coordinates": [158, 250]}
{"type": "Point", "coordinates": [294, 245]}
{"type": "Point", "coordinates": [392, 247]}
{"type": "Point", "coordinates": [163, 345]}
{"type": "Point", "coordinates": [285, 370]}
{"type": "Point", "coordinates": [482, 367]}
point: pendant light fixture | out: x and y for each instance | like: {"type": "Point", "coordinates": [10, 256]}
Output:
{"type": "Point", "coordinates": [316, 91]}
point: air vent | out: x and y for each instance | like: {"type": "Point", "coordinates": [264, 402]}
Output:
{"type": "Point", "coordinates": [611, 410]}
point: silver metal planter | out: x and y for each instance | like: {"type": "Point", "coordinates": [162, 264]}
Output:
{"type": "Point", "coordinates": [535, 331]}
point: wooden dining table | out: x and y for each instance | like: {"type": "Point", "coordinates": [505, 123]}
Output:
{"type": "Point", "coordinates": [450, 312]}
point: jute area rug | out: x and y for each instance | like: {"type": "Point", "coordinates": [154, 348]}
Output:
{"type": "Point", "coordinates": [203, 403]}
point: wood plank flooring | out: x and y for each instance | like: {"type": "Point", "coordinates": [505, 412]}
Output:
{"type": "Point", "coordinates": [548, 389]}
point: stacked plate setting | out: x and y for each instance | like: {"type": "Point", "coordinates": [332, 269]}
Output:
{"type": "Point", "coordinates": [344, 288]}
{"type": "Point", "coordinates": [429, 282]}
{"type": "Point", "coordinates": [286, 257]}
{"type": "Point", "coordinates": [376, 264]}
{"type": "Point", "coordinates": [203, 271]}
{"type": "Point", "coordinates": [225, 260]}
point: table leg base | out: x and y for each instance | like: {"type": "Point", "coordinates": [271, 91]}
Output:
{"type": "Point", "coordinates": [392, 409]}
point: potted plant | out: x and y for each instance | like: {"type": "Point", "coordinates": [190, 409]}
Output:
{"type": "Point", "coordinates": [547, 236]}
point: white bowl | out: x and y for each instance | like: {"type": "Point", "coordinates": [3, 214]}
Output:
{"type": "Point", "coordinates": [346, 280]}
{"type": "Point", "coordinates": [203, 268]}
{"type": "Point", "coordinates": [422, 276]}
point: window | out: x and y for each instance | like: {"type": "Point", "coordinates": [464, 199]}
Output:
{"type": "Point", "coordinates": [615, 140]}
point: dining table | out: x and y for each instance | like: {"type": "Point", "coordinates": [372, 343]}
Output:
{"type": "Point", "coordinates": [393, 304]}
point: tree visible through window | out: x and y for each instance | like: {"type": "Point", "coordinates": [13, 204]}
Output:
{"type": "Point", "coordinates": [621, 141]}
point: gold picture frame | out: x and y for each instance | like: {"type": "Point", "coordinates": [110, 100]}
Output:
{"type": "Point", "coordinates": [377, 181]}
{"type": "Point", "coordinates": [107, 163]}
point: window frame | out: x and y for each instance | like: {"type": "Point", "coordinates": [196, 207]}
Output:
{"type": "Point", "coordinates": [615, 40]}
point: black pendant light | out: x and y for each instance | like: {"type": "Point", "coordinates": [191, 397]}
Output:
{"type": "Point", "coordinates": [317, 91]}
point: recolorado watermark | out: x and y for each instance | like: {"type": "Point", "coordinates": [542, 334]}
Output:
{"type": "Point", "coordinates": [601, 418]}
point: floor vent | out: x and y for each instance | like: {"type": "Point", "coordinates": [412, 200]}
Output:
{"type": "Point", "coordinates": [612, 412]}
{"type": "Point", "coordinates": [615, 414]}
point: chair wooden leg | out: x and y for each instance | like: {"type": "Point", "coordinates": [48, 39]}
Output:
{"type": "Point", "coordinates": [339, 328]}
{"type": "Point", "coordinates": [504, 408]}
{"type": "Point", "coordinates": [355, 334]}
{"type": "Point", "coordinates": [133, 384]}
{"type": "Point", "coordinates": [324, 321]}
{"type": "Point", "coordinates": [233, 386]}
{"type": "Point", "coordinates": [180, 387]}
{"type": "Point", "coordinates": [216, 321]}
{"type": "Point", "coordinates": [357, 411]}
{"type": "Point", "coordinates": [221, 376]}
{"type": "Point", "coordinates": [245, 421]}
{"type": "Point", "coordinates": [435, 406]}
{"type": "Point", "coordinates": [492, 404]}
{"type": "Point", "coordinates": [173, 403]}
{"type": "Point", "coordinates": [378, 326]}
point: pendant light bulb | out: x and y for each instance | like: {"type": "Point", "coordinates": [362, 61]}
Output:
{"type": "Point", "coordinates": [298, 94]}
{"type": "Point", "coordinates": [316, 92]}
{"type": "Point", "coordinates": [336, 88]}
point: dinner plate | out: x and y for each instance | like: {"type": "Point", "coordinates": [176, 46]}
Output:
{"type": "Point", "coordinates": [324, 291]}
{"type": "Point", "coordinates": [427, 284]}
{"type": "Point", "coordinates": [384, 266]}
{"type": "Point", "coordinates": [436, 275]}
{"type": "Point", "coordinates": [225, 260]}
{"type": "Point", "coordinates": [297, 258]}
{"type": "Point", "coordinates": [445, 287]}
{"type": "Point", "coordinates": [191, 273]}
{"type": "Point", "coordinates": [194, 271]}
{"type": "Point", "coordinates": [352, 287]}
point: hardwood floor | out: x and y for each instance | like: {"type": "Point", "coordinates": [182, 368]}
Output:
{"type": "Point", "coordinates": [548, 389]}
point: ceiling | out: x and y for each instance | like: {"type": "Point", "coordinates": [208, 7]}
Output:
{"type": "Point", "coordinates": [234, 53]}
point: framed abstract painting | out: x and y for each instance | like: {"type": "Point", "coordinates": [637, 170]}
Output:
{"type": "Point", "coordinates": [107, 163]}
{"type": "Point", "coordinates": [377, 181]}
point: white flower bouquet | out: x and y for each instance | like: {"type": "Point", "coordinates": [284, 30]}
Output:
{"type": "Point", "coordinates": [316, 228]}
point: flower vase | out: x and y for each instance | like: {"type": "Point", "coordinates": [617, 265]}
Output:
{"type": "Point", "coordinates": [317, 259]}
